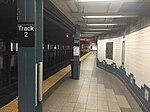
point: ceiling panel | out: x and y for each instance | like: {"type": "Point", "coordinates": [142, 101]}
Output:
{"type": "Point", "coordinates": [96, 9]}
{"type": "Point", "coordinates": [76, 11]}
{"type": "Point", "coordinates": [145, 9]}
{"type": "Point", "coordinates": [62, 6]}
{"type": "Point", "coordinates": [93, 6]}
{"type": "Point", "coordinates": [72, 6]}
{"type": "Point", "coordinates": [115, 6]}
{"type": "Point", "coordinates": [131, 7]}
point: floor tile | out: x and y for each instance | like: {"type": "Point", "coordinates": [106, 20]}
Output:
{"type": "Point", "coordinates": [96, 91]}
{"type": "Point", "coordinates": [103, 108]}
{"type": "Point", "coordinates": [68, 104]}
{"type": "Point", "coordinates": [102, 102]}
{"type": "Point", "coordinates": [91, 110]}
{"type": "Point", "coordinates": [126, 110]}
{"type": "Point", "coordinates": [92, 101]}
{"type": "Point", "coordinates": [80, 105]}
{"type": "Point", "coordinates": [122, 101]}
{"type": "Point", "coordinates": [78, 110]}
{"type": "Point", "coordinates": [82, 100]}
{"type": "Point", "coordinates": [67, 109]}
{"type": "Point", "coordinates": [91, 106]}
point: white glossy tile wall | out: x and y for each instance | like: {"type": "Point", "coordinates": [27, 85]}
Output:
{"type": "Point", "coordinates": [137, 59]}
{"type": "Point", "coordinates": [117, 50]}
{"type": "Point", "coordinates": [137, 54]}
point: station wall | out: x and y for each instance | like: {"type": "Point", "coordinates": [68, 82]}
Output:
{"type": "Point", "coordinates": [137, 59]}
{"type": "Point", "coordinates": [116, 50]}
{"type": "Point", "coordinates": [134, 68]}
{"type": "Point", "coordinates": [137, 54]}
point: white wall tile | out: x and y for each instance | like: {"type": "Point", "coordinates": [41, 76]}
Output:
{"type": "Point", "coordinates": [117, 50]}
{"type": "Point", "coordinates": [137, 59]}
{"type": "Point", "coordinates": [137, 54]}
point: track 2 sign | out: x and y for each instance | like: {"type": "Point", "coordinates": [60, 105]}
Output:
{"type": "Point", "coordinates": [26, 33]}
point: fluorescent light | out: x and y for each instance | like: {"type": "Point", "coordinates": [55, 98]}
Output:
{"type": "Point", "coordinates": [95, 0]}
{"type": "Point", "coordinates": [67, 35]}
{"type": "Point", "coordinates": [99, 29]}
{"type": "Point", "coordinates": [91, 32]}
{"type": "Point", "coordinates": [101, 24]}
{"type": "Point", "coordinates": [11, 46]}
{"type": "Point", "coordinates": [116, 16]}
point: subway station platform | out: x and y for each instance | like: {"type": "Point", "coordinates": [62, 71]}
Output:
{"type": "Point", "coordinates": [95, 91]}
{"type": "Point", "coordinates": [74, 56]}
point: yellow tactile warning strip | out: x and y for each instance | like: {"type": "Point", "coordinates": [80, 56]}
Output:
{"type": "Point", "coordinates": [47, 84]}
{"type": "Point", "coordinates": [10, 107]}
{"type": "Point", "coordinates": [55, 78]}
{"type": "Point", "coordinates": [83, 57]}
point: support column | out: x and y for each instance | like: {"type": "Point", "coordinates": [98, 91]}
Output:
{"type": "Point", "coordinates": [76, 54]}
{"type": "Point", "coordinates": [39, 53]}
{"type": "Point", "coordinates": [30, 55]}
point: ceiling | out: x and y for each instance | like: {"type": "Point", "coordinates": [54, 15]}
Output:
{"type": "Point", "coordinates": [112, 15]}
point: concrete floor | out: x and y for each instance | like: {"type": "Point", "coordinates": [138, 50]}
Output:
{"type": "Point", "coordinates": [96, 91]}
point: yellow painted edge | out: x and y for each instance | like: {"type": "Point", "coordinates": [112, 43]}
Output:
{"type": "Point", "coordinates": [83, 57]}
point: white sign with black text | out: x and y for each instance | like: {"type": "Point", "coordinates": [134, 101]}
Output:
{"type": "Point", "coordinates": [76, 51]}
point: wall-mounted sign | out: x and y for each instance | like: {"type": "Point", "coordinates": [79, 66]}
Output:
{"type": "Point", "coordinates": [76, 51]}
{"type": "Point", "coordinates": [26, 35]}
{"type": "Point", "coordinates": [109, 50]}
{"type": "Point", "coordinates": [76, 42]}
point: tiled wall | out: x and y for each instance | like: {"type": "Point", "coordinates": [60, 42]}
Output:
{"type": "Point", "coordinates": [137, 54]}
{"type": "Point", "coordinates": [137, 59]}
{"type": "Point", "coordinates": [117, 50]}
{"type": "Point", "coordinates": [136, 73]}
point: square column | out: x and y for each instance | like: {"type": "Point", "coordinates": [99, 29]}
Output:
{"type": "Point", "coordinates": [76, 54]}
{"type": "Point", "coordinates": [30, 55]}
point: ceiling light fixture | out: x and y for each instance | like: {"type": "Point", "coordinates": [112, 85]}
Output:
{"type": "Point", "coordinates": [99, 29]}
{"type": "Point", "coordinates": [113, 16]}
{"type": "Point", "coordinates": [98, 0]}
{"type": "Point", "coordinates": [101, 24]}
{"type": "Point", "coordinates": [92, 32]}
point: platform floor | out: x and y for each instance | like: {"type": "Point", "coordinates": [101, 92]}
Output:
{"type": "Point", "coordinates": [96, 91]}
